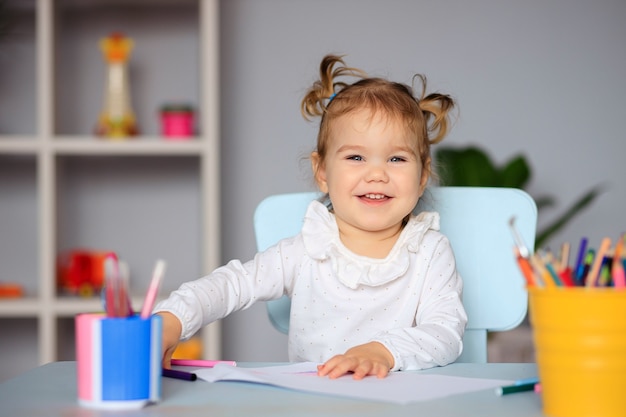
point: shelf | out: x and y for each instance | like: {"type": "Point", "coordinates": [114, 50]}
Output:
{"type": "Point", "coordinates": [89, 145]}
{"type": "Point", "coordinates": [18, 145]}
{"type": "Point", "coordinates": [20, 307]}
{"type": "Point", "coordinates": [163, 67]}
{"type": "Point", "coordinates": [66, 306]}
{"type": "Point", "coordinates": [18, 60]}
{"type": "Point", "coordinates": [18, 221]}
{"type": "Point", "coordinates": [126, 4]}
{"type": "Point", "coordinates": [134, 146]}
{"type": "Point", "coordinates": [71, 306]}
{"type": "Point", "coordinates": [141, 207]}
{"type": "Point", "coordinates": [146, 198]}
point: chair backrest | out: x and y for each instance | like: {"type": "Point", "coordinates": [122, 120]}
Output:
{"type": "Point", "coordinates": [476, 220]}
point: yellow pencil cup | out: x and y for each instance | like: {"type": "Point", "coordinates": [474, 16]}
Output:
{"type": "Point", "coordinates": [580, 345]}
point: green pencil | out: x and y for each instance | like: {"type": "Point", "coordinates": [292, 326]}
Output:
{"type": "Point", "coordinates": [512, 389]}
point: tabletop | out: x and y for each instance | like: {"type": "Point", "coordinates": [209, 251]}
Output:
{"type": "Point", "coordinates": [50, 390]}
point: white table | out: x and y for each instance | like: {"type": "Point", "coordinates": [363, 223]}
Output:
{"type": "Point", "coordinates": [50, 390]}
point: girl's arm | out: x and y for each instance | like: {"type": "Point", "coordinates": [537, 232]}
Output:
{"type": "Point", "coordinates": [232, 287]}
{"type": "Point", "coordinates": [436, 338]}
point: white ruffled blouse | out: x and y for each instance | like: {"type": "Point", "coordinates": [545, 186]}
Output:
{"type": "Point", "coordinates": [409, 301]}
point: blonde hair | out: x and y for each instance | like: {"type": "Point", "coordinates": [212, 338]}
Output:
{"type": "Point", "coordinates": [426, 117]}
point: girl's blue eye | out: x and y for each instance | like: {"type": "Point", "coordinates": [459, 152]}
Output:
{"type": "Point", "coordinates": [397, 159]}
{"type": "Point", "coordinates": [355, 158]}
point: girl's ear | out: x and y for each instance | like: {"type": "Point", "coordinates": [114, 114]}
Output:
{"type": "Point", "coordinates": [319, 172]}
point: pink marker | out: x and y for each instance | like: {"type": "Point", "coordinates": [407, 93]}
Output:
{"type": "Point", "coordinates": [201, 363]}
{"type": "Point", "coordinates": [619, 278]}
{"type": "Point", "coordinates": [153, 290]}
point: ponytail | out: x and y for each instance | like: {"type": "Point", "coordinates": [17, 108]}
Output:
{"type": "Point", "coordinates": [319, 96]}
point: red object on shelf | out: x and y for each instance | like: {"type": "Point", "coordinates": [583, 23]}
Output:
{"type": "Point", "coordinates": [81, 272]}
{"type": "Point", "coordinates": [11, 290]}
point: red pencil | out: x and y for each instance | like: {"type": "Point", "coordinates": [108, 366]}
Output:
{"type": "Point", "coordinates": [526, 268]}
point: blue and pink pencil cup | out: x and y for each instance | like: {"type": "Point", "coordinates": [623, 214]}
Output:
{"type": "Point", "coordinates": [118, 361]}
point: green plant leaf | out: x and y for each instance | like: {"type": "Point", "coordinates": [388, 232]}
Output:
{"type": "Point", "coordinates": [471, 166]}
{"type": "Point", "coordinates": [466, 167]}
{"type": "Point", "coordinates": [515, 173]}
{"type": "Point", "coordinates": [543, 202]}
{"type": "Point", "coordinates": [558, 224]}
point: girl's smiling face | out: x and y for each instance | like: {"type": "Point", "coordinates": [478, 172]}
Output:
{"type": "Point", "coordinates": [371, 172]}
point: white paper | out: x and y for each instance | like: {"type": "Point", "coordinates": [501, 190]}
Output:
{"type": "Point", "coordinates": [397, 387]}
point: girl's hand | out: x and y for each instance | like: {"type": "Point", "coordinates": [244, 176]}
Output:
{"type": "Point", "coordinates": [172, 329]}
{"type": "Point", "coordinates": [369, 359]}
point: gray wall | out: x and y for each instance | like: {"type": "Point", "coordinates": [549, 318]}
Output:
{"type": "Point", "coordinates": [543, 78]}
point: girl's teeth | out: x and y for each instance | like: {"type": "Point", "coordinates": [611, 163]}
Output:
{"type": "Point", "coordinates": [375, 196]}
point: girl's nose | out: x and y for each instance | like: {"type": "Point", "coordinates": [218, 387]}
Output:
{"type": "Point", "coordinates": [377, 172]}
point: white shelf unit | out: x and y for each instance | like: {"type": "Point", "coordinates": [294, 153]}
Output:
{"type": "Point", "coordinates": [62, 188]}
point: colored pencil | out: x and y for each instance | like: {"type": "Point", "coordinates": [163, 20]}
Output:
{"type": "Point", "coordinates": [201, 363]}
{"type": "Point", "coordinates": [619, 278]}
{"type": "Point", "coordinates": [173, 373]}
{"type": "Point", "coordinates": [157, 276]}
{"type": "Point", "coordinates": [594, 271]}
{"type": "Point", "coordinates": [522, 385]}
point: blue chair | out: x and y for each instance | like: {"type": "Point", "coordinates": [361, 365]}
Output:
{"type": "Point", "coordinates": [476, 220]}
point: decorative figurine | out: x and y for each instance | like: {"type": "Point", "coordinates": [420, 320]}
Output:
{"type": "Point", "coordinates": [116, 119]}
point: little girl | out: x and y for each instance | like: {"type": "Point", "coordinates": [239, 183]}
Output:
{"type": "Point", "coordinates": [374, 287]}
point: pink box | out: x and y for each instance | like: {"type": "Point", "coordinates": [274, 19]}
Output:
{"type": "Point", "coordinates": [177, 122]}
